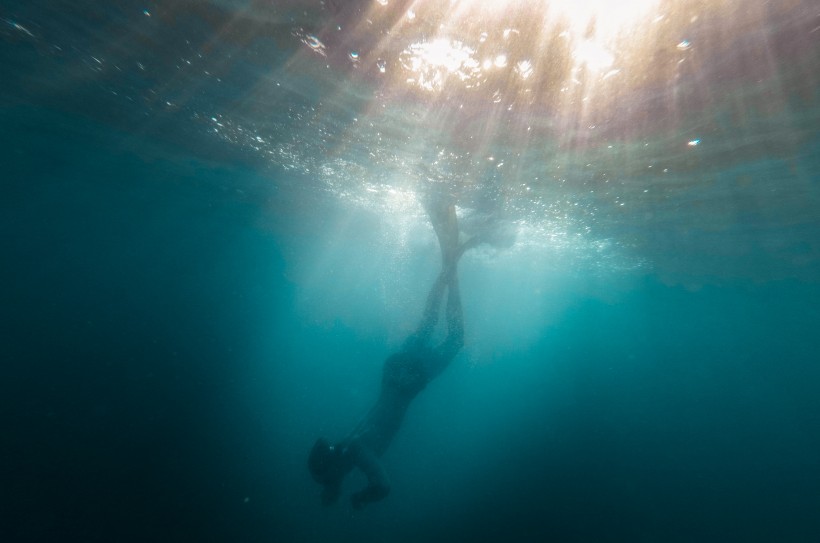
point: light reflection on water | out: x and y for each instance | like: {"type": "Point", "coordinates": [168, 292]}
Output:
{"type": "Point", "coordinates": [632, 130]}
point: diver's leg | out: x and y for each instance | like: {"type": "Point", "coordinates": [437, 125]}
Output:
{"type": "Point", "coordinates": [441, 209]}
{"type": "Point", "coordinates": [454, 341]}
{"type": "Point", "coordinates": [447, 232]}
{"type": "Point", "coordinates": [429, 318]}
{"type": "Point", "coordinates": [445, 223]}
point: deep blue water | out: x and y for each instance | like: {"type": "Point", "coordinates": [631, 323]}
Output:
{"type": "Point", "coordinates": [184, 314]}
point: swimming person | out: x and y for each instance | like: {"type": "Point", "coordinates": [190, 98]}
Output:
{"type": "Point", "coordinates": [405, 374]}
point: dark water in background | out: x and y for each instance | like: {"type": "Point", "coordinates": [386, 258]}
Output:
{"type": "Point", "coordinates": [181, 319]}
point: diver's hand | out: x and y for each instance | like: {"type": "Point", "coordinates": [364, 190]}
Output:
{"type": "Point", "coordinates": [371, 493]}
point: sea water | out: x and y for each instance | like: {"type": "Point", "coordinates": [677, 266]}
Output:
{"type": "Point", "coordinates": [210, 245]}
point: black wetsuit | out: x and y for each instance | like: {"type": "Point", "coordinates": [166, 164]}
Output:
{"type": "Point", "coordinates": [404, 375]}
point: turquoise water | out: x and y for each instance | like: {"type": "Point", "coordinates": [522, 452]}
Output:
{"type": "Point", "coordinates": [213, 238]}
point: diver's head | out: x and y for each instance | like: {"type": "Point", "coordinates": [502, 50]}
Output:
{"type": "Point", "coordinates": [326, 465]}
{"type": "Point", "coordinates": [325, 462]}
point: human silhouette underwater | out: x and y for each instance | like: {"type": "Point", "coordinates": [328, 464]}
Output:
{"type": "Point", "coordinates": [405, 374]}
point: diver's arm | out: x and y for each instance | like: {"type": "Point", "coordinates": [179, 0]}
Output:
{"type": "Point", "coordinates": [378, 485]}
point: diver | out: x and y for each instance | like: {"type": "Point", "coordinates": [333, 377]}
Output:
{"type": "Point", "coordinates": [405, 374]}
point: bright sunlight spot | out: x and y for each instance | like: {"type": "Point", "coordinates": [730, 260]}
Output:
{"type": "Point", "coordinates": [474, 39]}
{"type": "Point", "coordinates": [431, 63]}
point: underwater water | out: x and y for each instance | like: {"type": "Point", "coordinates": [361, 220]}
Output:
{"type": "Point", "coordinates": [213, 237]}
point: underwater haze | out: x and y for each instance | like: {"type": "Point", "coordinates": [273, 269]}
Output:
{"type": "Point", "coordinates": [213, 236]}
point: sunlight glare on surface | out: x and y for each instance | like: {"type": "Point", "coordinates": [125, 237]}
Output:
{"type": "Point", "coordinates": [472, 42]}
{"type": "Point", "coordinates": [430, 63]}
{"type": "Point", "coordinates": [592, 55]}
{"type": "Point", "coordinates": [609, 18]}
{"type": "Point", "coordinates": [567, 113]}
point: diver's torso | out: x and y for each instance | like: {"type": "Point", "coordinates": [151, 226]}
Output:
{"type": "Point", "coordinates": [404, 376]}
